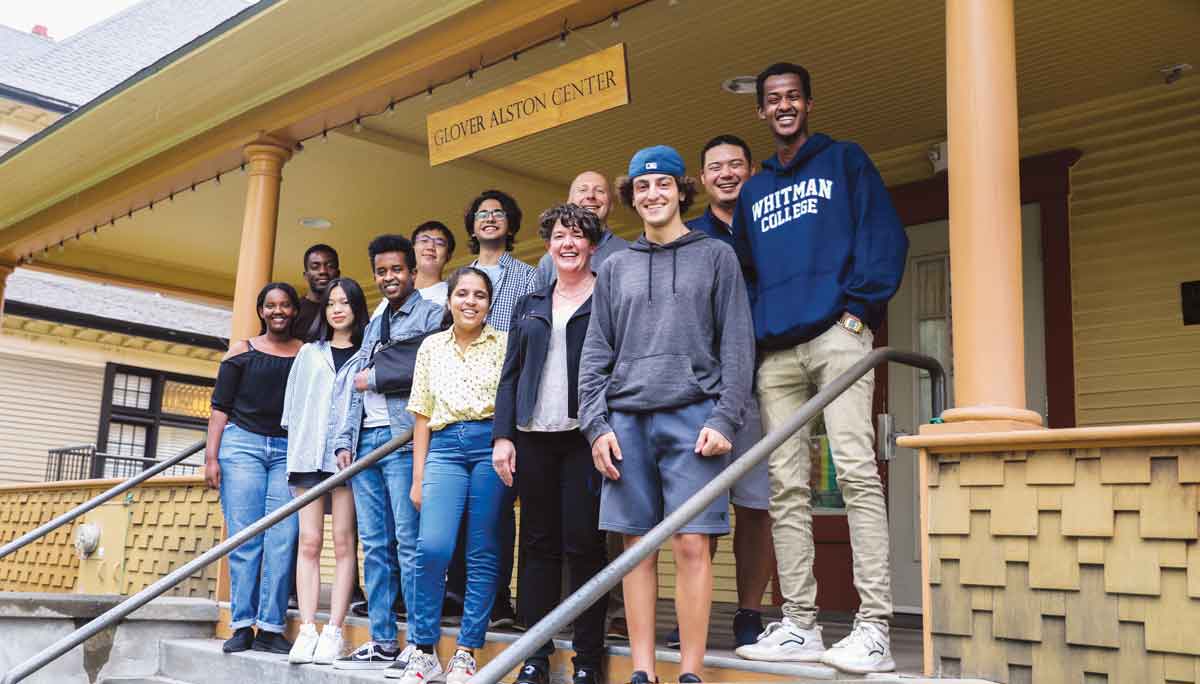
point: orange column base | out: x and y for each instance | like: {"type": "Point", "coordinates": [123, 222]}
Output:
{"type": "Point", "coordinates": [972, 419]}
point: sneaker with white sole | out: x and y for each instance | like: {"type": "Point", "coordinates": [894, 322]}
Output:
{"type": "Point", "coordinates": [423, 668]}
{"type": "Point", "coordinates": [329, 646]}
{"type": "Point", "coordinates": [305, 645]}
{"type": "Point", "coordinates": [396, 671]}
{"type": "Point", "coordinates": [461, 668]}
{"type": "Point", "coordinates": [369, 656]}
{"type": "Point", "coordinates": [785, 642]}
{"type": "Point", "coordinates": [866, 649]}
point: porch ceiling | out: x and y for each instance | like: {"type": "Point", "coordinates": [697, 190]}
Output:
{"type": "Point", "coordinates": [879, 78]}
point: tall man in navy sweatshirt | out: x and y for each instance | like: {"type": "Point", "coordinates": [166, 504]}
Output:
{"type": "Point", "coordinates": [823, 251]}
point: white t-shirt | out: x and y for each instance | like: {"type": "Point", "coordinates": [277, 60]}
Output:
{"type": "Point", "coordinates": [436, 293]}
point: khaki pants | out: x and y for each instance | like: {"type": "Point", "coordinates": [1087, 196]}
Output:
{"type": "Point", "coordinates": [784, 380]}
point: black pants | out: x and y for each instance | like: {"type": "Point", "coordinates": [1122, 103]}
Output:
{"type": "Point", "coordinates": [560, 520]}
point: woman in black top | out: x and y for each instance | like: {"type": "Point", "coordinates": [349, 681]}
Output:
{"type": "Point", "coordinates": [246, 458]}
{"type": "Point", "coordinates": [537, 427]}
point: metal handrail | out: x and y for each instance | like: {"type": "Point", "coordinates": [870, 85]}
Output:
{"type": "Point", "coordinates": [121, 610]}
{"type": "Point", "coordinates": [91, 504]}
{"type": "Point", "coordinates": [609, 576]}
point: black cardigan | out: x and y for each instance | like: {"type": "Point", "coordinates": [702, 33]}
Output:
{"type": "Point", "coordinates": [528, 344]}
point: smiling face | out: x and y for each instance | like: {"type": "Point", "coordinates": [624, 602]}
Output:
{"type": "Point", "coordinates": [277, 312]}
{"type": "Point", "coordinates": [591, 191]}
{"type": "Point", "coordinates": [725, 170]}
{"type": "Point", "coordinates": [491, 222]}
{"type": "Point", "coordinates": [338, 312]}
{"type": "Point", "coordinates": [570, 249]}
{"type": "Point", "coordinates": [469, 302]}
{"type": "Point", "coordinates": [433, 250]}
{"type": "Point", "coordinates": [393, 276]}
{"type": "Point", "coordinates": [785, 107]}
{"type": "Point", "coordinates": [319, 270]}
{"type": "Point", "coordinates": [656, 198]}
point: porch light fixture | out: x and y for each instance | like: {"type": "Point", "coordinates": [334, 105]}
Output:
{"type": "Point", "coordinates": [739, 85]}
{"type": "Point", "coordinates": [316, 223]}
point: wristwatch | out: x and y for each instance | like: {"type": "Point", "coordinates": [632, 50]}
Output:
{"type": "Point", "coordinates": [852, 324]}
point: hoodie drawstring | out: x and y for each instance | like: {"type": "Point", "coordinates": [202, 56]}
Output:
{"type": "Point", "coordinates": [674, 254]}
{"type": "Point", "coordinates": [650, 272]}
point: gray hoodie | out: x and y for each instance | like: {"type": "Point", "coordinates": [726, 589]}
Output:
{"type": "Point", "coordinates": [670, 327]}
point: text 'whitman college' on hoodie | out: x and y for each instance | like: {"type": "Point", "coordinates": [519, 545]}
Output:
{"type": "Point", "coordinates": [818, 237]}
{"type": "Point", "coordinates": [670, 327]}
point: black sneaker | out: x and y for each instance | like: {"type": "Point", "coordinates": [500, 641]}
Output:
{"type": "Point", "coordinates": [640, 677]}
{"type": "Point", "coordinates": [689, 678]}
{"type": "Point", "coordinates": [747, 625]}
{"type": "Point", "coordinates": [586, 675]}
{"type": "Point", "coordinates": [673, 638]}
{"type": "Point", "coordinates": [369, 656]}
{"type": "Point", "coordinates": [502, 615]}
{"type": "Point", "coordinates": [271, 642]}
{"type": "Point", "coordinates": [534, 671]}
{"type": "Point", "coordinates": [242, 639]}
{"type": "Point", "coordinates": [359, 608]}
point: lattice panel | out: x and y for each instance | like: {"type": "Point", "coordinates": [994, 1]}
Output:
{"type": "Point", "coordinates": [1067, 566]}
{"type": "Point", "coordinates": [169, 526]}
{"type": "Point", "coordinates": [49, 564]}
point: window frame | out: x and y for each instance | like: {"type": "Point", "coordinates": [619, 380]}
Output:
{"type": "Point", "coordinates": [152, 418]}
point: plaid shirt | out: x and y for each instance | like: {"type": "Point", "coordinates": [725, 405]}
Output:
{"type": "Point", "coordinates": [516, 280]}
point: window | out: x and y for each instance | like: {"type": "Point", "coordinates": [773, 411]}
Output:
{"type": "Point", "coordinates": [151, 414]}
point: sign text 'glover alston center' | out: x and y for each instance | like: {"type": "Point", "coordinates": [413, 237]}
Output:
{"type": "Point", "coordinates": [572, 91]}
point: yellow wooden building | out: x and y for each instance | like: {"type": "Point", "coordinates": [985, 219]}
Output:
{"type": "Point", "coordinates": [1050, 527]}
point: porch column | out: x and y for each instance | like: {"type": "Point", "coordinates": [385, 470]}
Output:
{"type": "Point", "coordinates": [265, 158]}
{"type": "Point", "coordinates": [6, 269]}
{"type": "Point", "coordinates": [985, 216]}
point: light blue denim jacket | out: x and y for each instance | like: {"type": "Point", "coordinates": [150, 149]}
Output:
{"type": "Point", "coordinates": [314, 403]}
{"type": "Point", "coordinates": [416, 316]}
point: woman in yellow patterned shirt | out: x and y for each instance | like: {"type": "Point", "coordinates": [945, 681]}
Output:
{"type": "Point", "coordinates": [453, 399]}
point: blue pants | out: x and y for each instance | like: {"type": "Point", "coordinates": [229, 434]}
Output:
{"type": "Point", "coordinates": [254, 483]}
{"type": "Point", "coordinates": [458, 478]}
{"type": "Point", "coordinates": [387, 528]}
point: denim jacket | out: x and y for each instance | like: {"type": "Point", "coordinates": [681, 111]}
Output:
{"type": "Point", "coordinates": [314, 403]}
{"type": "Point", "coordinates": [416, 316]}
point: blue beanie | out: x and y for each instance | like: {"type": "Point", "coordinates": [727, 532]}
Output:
{"type": "Point", "coordinates": [657, 159]}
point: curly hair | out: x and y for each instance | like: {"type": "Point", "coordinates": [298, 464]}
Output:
{"type": "Point", "coordinates": [511, 210]}
{"type": "Point", "coordinates": [571, 216]}
{"type": "Point", "coordinates": [688, 189]}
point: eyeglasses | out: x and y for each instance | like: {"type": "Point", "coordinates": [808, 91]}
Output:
{"type": "Point", "coordinates": [484, 214]}
{"type": "Point", "coordinates": [429, 239]}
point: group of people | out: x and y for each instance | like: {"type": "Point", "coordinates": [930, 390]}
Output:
{"type": "Point", "coordinates": [603, 388]}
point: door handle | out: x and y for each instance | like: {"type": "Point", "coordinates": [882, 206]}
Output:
{"type": "Point", "coordinates": [885, 436]}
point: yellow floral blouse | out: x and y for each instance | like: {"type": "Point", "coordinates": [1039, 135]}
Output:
{"type": "Point", "coordinates": [450, 386]}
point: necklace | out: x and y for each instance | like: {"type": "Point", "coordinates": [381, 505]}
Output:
{"type": "Point", "coordinates": [574, 296]}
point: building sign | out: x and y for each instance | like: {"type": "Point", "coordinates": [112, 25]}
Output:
{"type": "Point", "coordinates": [587, 86]}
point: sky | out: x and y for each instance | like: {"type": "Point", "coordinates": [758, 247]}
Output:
{"type": "Point", "coordinates": [63, 17]}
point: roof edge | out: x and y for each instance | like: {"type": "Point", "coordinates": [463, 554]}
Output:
{"type": "Point", "coordinates": [45, 102]}
{"type": "Point", "coordinates": [170, 58]}
{"type": "Point", "coordinates": [82, 320]}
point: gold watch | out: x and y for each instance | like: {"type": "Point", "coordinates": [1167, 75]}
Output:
{"type": "Point", "coordinates": [852, 324]}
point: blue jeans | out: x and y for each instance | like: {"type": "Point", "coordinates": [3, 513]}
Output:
{"type": "Point", "coordinates": [254, 483]}
{"type": "Point", "coordinates": [387, 528]}
{"type": "Point", "coordinates": [458, 477]}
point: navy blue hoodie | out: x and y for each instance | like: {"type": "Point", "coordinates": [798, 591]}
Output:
{"type": "Point", "coordinates": [817, 238]}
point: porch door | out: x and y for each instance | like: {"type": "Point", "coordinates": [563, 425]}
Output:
{"type": "Point", "coordinates": [919, 319]}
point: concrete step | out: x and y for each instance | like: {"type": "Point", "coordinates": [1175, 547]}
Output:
{"type": "Point", "coordinates": [140, 680]}
{"type": "Point", "coordinates": [201, 660]}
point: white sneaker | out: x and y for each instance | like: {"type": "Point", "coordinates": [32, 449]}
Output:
{"type": "Point", "coordinates": [461, 668]}
{"type": "Point", "coordinates": [305, 645]}
{"type": "Point", "coordinates": [396, 671]}
{"type": "Point", "coordinates": [785, 642]}
{"type": "Point", "coordinates": [866, 649]}
{"type": "Point", "coordinates": [423, 668]}
{"type": "Point", "coordinates": [329, 646]}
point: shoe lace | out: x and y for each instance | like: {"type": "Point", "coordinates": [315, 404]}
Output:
{"type": "Point", "coordinates": [771, 629]}
{"type": "Point", "coordinates": [417, 662]}
{"type": "Point", "coordinates": [462, 659]}
{"type": "Point", "coordinates": [862, 633]}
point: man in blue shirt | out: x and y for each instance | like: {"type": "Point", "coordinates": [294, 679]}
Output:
{"type": "Point", "coordinates": [823, 252]}
{"type": "Point", "coordinates": [725, 166]}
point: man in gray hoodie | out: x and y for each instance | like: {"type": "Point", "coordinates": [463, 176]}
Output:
{"type": "Point", "coordinates": [664, 377]}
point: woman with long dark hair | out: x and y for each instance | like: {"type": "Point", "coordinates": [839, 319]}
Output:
{"type": "Point", "coordinates": [318, 393]}
{"type": "Point", "coordinates": [453, 401]}
{"type": "Point", "coordinates": [246, 458]}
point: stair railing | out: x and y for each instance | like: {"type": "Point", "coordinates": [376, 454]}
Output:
{"type": "Point", "coordinates": [91, 504]}
{"type": "Point", "coordinates": [608, 577]}
{"type": "Point", "coordinates": [162, 586]}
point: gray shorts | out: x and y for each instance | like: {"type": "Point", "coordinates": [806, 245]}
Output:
{"type": "Point", "coordinates": [754, 489]}
{"type": "Point", "coordinates": [660, 471]}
